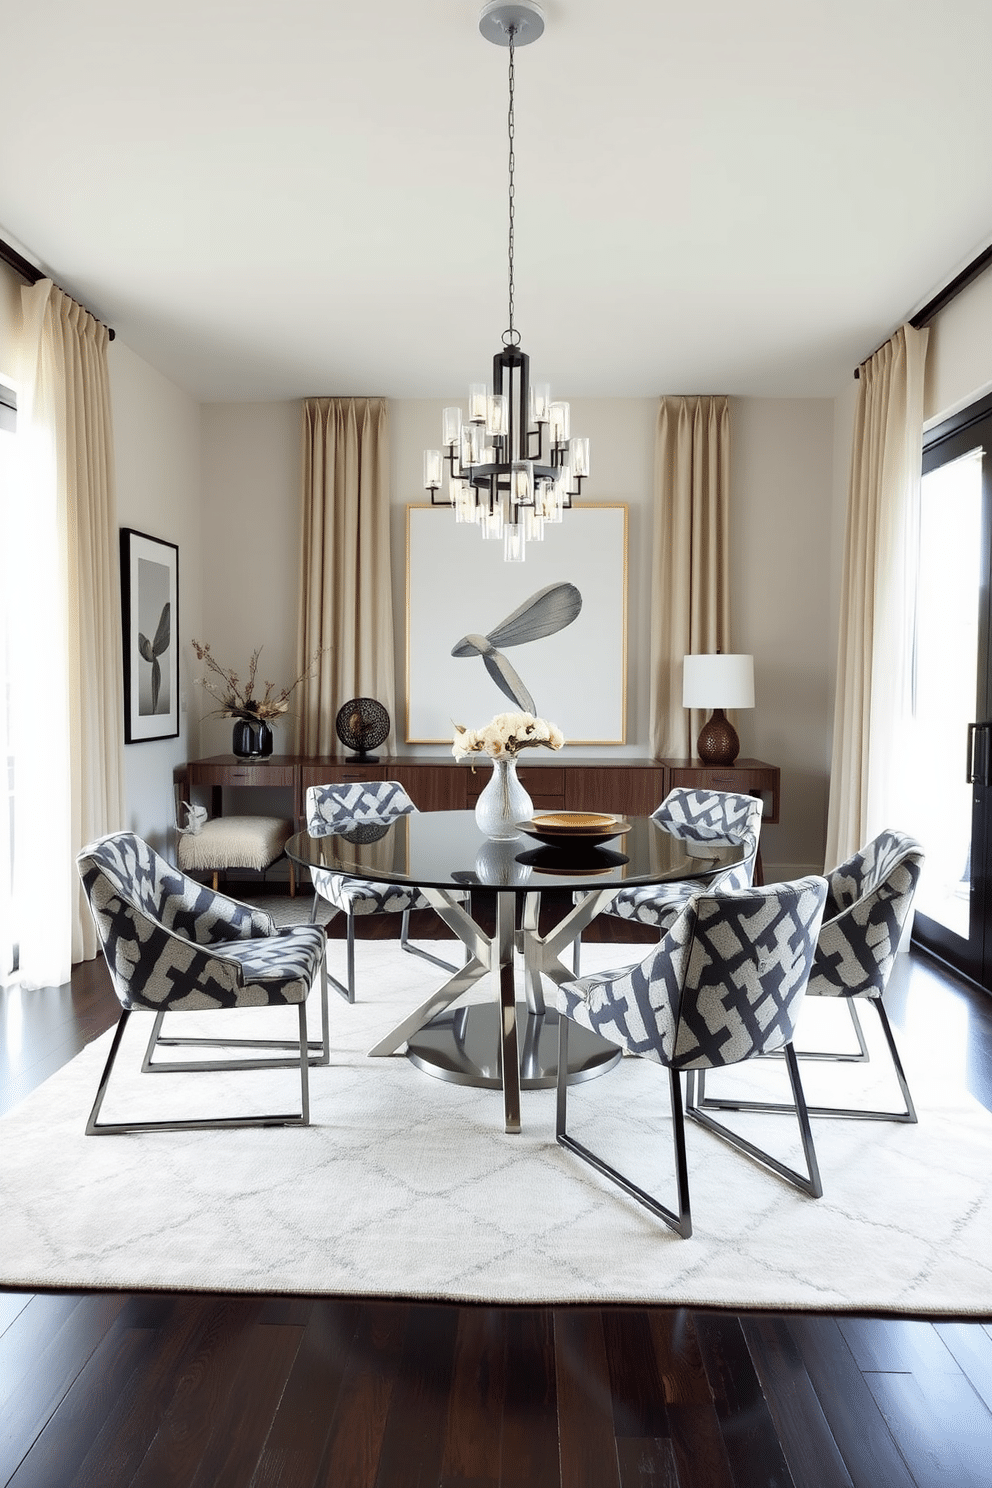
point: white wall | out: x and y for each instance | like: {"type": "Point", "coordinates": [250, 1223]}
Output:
{"type": "Point", "coordinates": [780, 530]}
{"type": "Point", "coordinates": [251, 544]}
{"type": "Point", "coordinates": [157, 447]}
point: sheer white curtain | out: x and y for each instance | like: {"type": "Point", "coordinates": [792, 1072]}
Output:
{"type": "Point", "coordinates": [869, 784]}
{"type": "Point", "coordinates": [346, 606]}
{"type": "Point", "coordinates": [690, 598]}
{"type": "Point", "coordinates": [65, 630]}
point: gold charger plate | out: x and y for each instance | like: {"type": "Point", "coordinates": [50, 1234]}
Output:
{"type": "Point", "coordinates": [577, 829]}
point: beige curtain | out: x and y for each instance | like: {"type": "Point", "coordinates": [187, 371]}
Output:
{"type": "Point", "coordinates": [868, 790]}
{"type": "Point", "coordinates": [346, 591]}
{"type": "Point", "coordinates": [690, 603]}
{"type": "Point", "coordinates": [67, 645]}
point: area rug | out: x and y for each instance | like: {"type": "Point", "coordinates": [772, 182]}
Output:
{"type": "Point", "coordinates": [407, 1186]}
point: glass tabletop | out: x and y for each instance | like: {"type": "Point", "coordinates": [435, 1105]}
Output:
{"type": "Point", "coordinates": [446, 849]}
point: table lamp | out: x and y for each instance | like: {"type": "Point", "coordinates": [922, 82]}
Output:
{"type": "Point", "coordinates": [718, 682]}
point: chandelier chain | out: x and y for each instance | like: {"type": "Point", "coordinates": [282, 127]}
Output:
{"type": "Point", "coordinates": [511, 337]}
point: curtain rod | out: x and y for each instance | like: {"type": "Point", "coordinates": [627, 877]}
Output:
{"type": "Point", "coordinates": [32, 274]}
{"type": "Point", "coordinates": [944, 296]}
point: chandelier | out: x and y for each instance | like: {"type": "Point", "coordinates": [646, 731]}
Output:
{"type": "Point", "coordinates": [513, 464]}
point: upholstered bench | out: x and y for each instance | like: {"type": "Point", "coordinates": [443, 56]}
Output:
{"type": "Point", "coordinates": [235, 842]}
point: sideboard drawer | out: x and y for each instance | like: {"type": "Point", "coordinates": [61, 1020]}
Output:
{"type": "Point", "coordinates": [242, 774]}
{"type": "Point", "coordinates": [338, 774]}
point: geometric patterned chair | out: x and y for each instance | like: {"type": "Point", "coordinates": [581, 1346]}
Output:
{"type": "Point", "coordinates": [869, 898]}
{"type": "Point", "coordinates": [172, 945]}
{"type": "Point", "coordinates": [357, 810]}
{"type": "Point", "coordinates": [696, 816]}
{"type": "Point", "coordinates": [724, 985]}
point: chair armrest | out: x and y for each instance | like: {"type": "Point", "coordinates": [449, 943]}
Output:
{"type": "Point", "coordinates": [207, 917]}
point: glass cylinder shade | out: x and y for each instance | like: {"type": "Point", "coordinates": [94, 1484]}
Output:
{"type": "Point", "coordinates": [540, 402]}
{"type": "Point", "coordinates": [578, 450]}
{"type": "Point", "coordinates": [460, 496]}
{"type": "Point", "coordinates": [497, 415]}
{"type": "Point", "coordinates": [472, 444]}
{"type": "Point", "coordinates": [559, 420]}
{"type": "Point", "coordinates": [432, 469]}
{"type": "Point", "coordinates": [533, 524]}
{"type": "Point", "coordinates": [522, 482]}
{"type": "Point", "coordinates": [478, 402]}
{"type": "Point", "coordinates": [491, 520]}
{"type": "Point", "coordinates": [451, 427]}
{"type": "Point", "coordinates": [513, 542]}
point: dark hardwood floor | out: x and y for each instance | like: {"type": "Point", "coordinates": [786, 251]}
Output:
{"type": "Point", "coordinates": [199, 1391]}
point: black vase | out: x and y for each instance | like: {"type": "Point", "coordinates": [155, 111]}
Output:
{"type": "Point", "coordinates": [252, 739]}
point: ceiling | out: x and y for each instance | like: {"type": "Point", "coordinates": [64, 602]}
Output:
{"type": "Point", "coordinates": [276, 200]}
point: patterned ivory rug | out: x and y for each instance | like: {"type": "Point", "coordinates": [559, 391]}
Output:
{"type": "Point", "coordinates": [406, 1185]}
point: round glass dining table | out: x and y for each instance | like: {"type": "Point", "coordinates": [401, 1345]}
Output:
{"type": "Point", "coordinates": [496, 1043]}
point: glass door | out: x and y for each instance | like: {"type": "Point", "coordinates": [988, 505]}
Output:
{"type": "Point", "coordinates": [952, 743]}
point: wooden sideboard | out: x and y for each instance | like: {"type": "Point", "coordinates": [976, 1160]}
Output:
{"type": "Point", "coordinates": [558, 782]}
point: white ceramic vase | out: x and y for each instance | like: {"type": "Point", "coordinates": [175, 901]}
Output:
{"type": "Point", "coordinates": [503, 802]}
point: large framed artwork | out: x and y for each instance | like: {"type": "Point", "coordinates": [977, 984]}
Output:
{"type": "Point", "coordinates": [150, 612]}
{"type": "Point", "coordinates": [547, 636]}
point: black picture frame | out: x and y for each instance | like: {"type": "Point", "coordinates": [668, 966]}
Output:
{"type": "Point", "coordinates": [150, 624]}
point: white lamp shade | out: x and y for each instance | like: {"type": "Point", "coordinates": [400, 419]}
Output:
{"type": "Point", "coordinates": [718, 681]}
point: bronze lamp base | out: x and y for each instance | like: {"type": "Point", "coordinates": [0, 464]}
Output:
{"type": "Point", "coordinates": [718, 743]}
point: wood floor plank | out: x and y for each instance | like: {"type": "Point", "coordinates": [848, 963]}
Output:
{"type": "Point", "coordinates": [897, 1346]}
{"type": "Point", "coordinates": [679, 1362]}
{"type": "Point", "coordinates": [40, 1390]}
{"type": "Point", "coordinates": [186, 1426]}
{"type": "Point", "coordinates": [813, 1456]}
{"type": "Point", "coordinates": [752, 1443]}
{"type": "Point", "coordinates": [699, 1448]}
{"type": "Point", "coordinates": [414, 1438]}
{"type": "Point", "coordinates": [529, 1450]}
{"type": "Point", "coordinates": [295, 1445]}
{"type": "Point", "coordinates": [971, 1346]}
{"type": "Point", "coordinates": [245, 1412]}
{"type": "Point", "coordinates": [637, 1391]}
{"type": "Point", "coordinates": [476, 1402]}
{"type": "Point", "coordinates": [354, 1444]}
{"type": "Point", "coordinates": [585, 1406]}
{"type": "Point", "coordinates": [943, 1428]}
{"type": "Point", "coordinates": [12, 1304]}
{"type": "Point", "coordinates": [647, 1462]}
{"type": "Point", "coordinates": [68, 1436]}
{"type": "Point", "coordinates": [864, 1440]}
{"type": "Point", "coordinates": [176, 1325]}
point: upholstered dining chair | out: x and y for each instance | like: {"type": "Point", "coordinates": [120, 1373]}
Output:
{"type": "Point", "coordinates": [357, 811]}
{"type": "Point", "coordinates": [869, 897]}
{"type": "Point", "coordinates": [173, 945]}
{"type": "Point", "coordinates": [724, 985]}
{"type": "Point", "coordinates": [696, 816]}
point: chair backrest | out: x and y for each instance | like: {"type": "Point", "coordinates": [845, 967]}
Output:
{"type": "Point", "coordinates": [140, 904]}
{"type": "Point", "coordinates": [716, 816]}
{"type": "Point", "coordinates": [869, 898]}
{"type": "Point", "coordinates": [724, 983]}
{"type": "Point", "coordinates": [335, 809]}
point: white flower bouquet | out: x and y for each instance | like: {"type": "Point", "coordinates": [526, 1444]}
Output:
{"type": "Point", "coordinates": [506, 736]}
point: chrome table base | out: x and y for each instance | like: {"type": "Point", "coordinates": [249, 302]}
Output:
{"type": "Point", "coordinates": [483, 1047]}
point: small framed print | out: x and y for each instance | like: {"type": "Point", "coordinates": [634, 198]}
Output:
{"type": "Point", "coordinates": [150, 612]}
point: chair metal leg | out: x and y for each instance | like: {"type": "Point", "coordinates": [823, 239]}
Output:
{"type": "Point", "coordinates": [414, 950]}
{"type": "Point", "coordinates": [809, 1182]}
{"type": "Point", "coordinates": [852, 1113]}
{"type": "Point", "coordinates": [318, 1050]}
{"type": "Point", "coordinates": [96, 1128]}
{"type": "Point", "coordinates": [680, 1222]}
